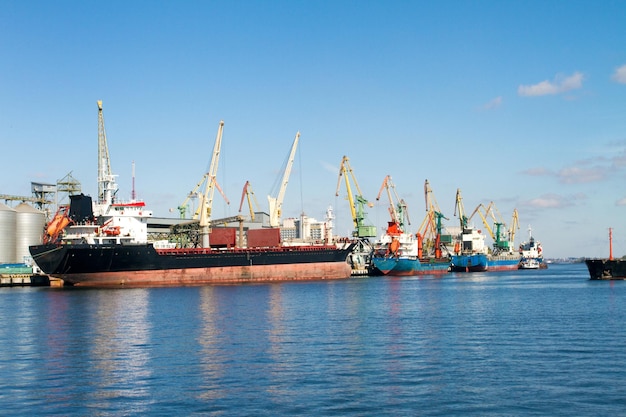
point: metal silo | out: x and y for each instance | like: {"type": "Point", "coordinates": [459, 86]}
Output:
{"type": "Point", "coordinates": [29, 226]}
{"type": "Point", "coordinates": [7, 234]}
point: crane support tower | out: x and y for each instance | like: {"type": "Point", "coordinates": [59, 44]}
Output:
{"type": "Point", "coordinates": [357, 202]}
{"type": "Point", "coordinates": [276, 203]}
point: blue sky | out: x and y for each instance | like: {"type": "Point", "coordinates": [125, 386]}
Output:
{"type": "Point", "coordinates": [521, 103]}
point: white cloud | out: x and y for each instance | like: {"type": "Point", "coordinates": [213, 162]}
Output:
{"type": "Point", "coordinates": [558, 86]}
{"type": "Point", "coordinates": [621, 202]}
{"type": "Point", "coordinates": [620, 75]}
{"type": "Point", "coordinates": [579, 175]}
{"type": "Point", "coordinates": [538, 172]}
{"type": "Point", "coordinates": [549, 201]}
{"type": "Point", "coordinates": [493, 104]}
{"type": "Point", "coordinates": [333, 169]}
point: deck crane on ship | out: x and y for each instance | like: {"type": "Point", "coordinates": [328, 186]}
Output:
{"type": "Point", "coordinates": [360, 258]}
{"type": "Point", "coordinates": [276, 203]}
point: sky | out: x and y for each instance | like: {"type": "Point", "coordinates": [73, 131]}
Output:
{"type": "Point", "coordinates": [522, 103]}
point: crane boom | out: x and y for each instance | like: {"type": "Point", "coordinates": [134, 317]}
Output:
{"type": "Point", "coordinates": [276, 203]}
{"type": "Point", "coordinates": [246, 193]}
{"type": "Point", "coordinates": [514, 226]}
{"type": "Point", "coordinates": [484, 218]}
{"type": "Point", "coordinates": [458, 208]}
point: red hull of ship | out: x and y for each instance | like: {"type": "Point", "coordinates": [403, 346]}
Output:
{"type": "Point", "coordinates": [213, 275]}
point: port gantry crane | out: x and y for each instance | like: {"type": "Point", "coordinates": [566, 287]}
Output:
{"type": "Point", "coordinates": [276, 203]}
{"type": "Point", "coordinates": [245, 194]}
{"type": "Point", "coordinates": [503, 236]}
{"type": "Point", "coordinates": [209, 181]}
{"type": "Point", "coordinates": [458, 208]}
{"type": "Point", "coordinates": [430, 231]}
{"type": "Point", "coordinates": [357, 202]}
{"type": "Point", "coordinates": [398, 211]}
{"type": "Point", "coordinates": [360, 257]}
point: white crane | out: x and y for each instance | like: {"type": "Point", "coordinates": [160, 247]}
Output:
{"type": "Point", "coordinates": [107, 188]}
{"type": "Point", "coordinates": [276, 203]}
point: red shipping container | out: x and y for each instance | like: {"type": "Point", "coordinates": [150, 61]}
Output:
{"type": "Point", "coordinates": [263, 238]}
{"type": "Point", "coordinates": [222, 237]}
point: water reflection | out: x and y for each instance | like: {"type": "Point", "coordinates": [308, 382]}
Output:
{"type": "Point", "coordinates": [119, 350]}
{"type": "Point", "coordinates": [211, 354]}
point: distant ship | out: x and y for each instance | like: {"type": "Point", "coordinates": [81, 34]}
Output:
{"type": "Point", "coordinates": [532, 254]}
{"type": "Point", "coordinates": [607, 269]}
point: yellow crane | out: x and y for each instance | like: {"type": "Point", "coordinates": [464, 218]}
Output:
{"type": "Point", "coordinates": [276, 203]}
{"type": "Point", "coordinates": [356, 202]}
{"type": "Point", "coordinates": [248, 194]}
{"type": "Point", "coordinates": [503, 236]}
{"type": "Point", "coordinates": [514, 226]}
{"type": "Point", "coordinates": [205, 190]}
{"type": "Point", "coordinates": [208, 183]}
{"type": "Point", "coordinates": [484, 217]}
{"type": "Point", "coordinates": [458, 208]}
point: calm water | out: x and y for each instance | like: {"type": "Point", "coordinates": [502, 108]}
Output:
{"type": "Point", "coordinates": [546, 342]}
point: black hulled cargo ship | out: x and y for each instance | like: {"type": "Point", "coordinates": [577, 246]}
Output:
{"type": "Point", "coordinates": [142, 264]}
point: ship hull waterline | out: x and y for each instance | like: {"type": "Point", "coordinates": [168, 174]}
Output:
{"type": "Point", "coordinates": [469, 263]}
{"type": "Point", "coordinates": [142, 265]}
{"type": "Point", "coordinates": [410, 267]}
{"type": "Point", "coordinates": [483, 263]}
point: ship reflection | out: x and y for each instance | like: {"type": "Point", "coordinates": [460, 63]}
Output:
{"type": "Point", "coordinates": [119, 351]}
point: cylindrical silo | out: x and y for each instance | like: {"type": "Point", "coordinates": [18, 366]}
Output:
{"type": "Point", "coordinates": [7, 234]}
{"type": "Point", "coordinates": [29, 224]}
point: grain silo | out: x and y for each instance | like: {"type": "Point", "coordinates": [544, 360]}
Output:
{"type": "Point", "coordinates": [29, 224]}
{"type": "Point", "coordinates": [7, 234]}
